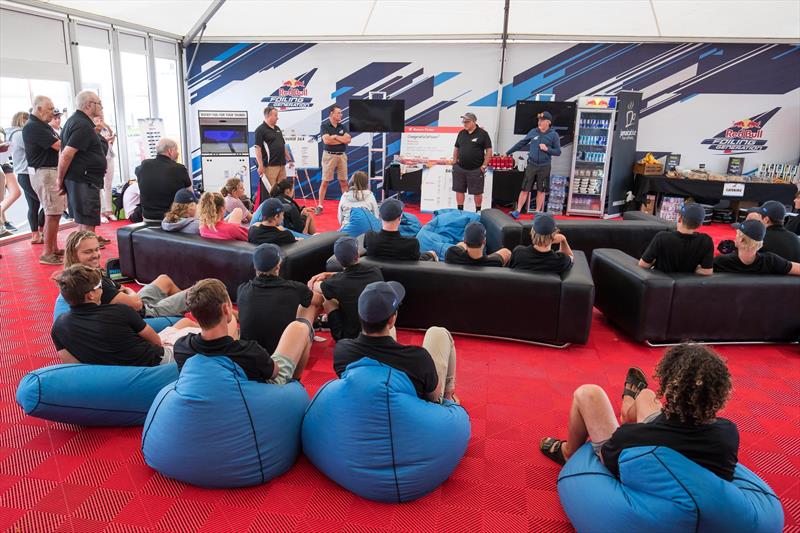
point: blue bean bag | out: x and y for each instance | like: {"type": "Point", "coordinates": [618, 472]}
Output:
{"type": "Point", "coordinates": [93, 395]}
{"type": "Point", "coordinates": [157, 323]}
{"type": "Point", "coordinates": [409, 225]}
{"type": "Point", "coordinates": [663, 491]}
{"type": "Point", "coordinates": [444, 230]}
{"type": "Point", "coordinates": [214, 428]}
{"type": "Point", "coordinates": [361, 221]}
{"type": "Point", "coordinates": [371, 434]}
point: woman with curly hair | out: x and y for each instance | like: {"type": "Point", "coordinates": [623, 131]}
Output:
{"type": "Point", "coordinates": [211, 213]}
{"type": "Point", "coordinates": [695, 384]}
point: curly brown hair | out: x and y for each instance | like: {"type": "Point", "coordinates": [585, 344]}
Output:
{"type": "Point", "coordinates": [695, 382]}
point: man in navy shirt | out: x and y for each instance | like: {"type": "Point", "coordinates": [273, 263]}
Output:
{"type": "Point", "coordinates": [544, 144]}
{"type": "Point", "coordinates": [335, 138]}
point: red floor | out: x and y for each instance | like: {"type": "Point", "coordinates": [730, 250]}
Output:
{"type": "Point", "coordinates": [55, 477]}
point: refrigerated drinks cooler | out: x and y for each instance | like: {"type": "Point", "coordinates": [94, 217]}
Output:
{"type": "Point", "coordinates": [594, 128]}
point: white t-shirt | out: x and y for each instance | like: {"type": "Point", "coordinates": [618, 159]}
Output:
{"type": "Point", "coordinates": [349, 201]}
{"type": "Point", "coordinates": [131, 198]}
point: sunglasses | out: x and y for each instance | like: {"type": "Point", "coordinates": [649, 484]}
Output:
{"type": "Point", "coordinates": [98, 286]}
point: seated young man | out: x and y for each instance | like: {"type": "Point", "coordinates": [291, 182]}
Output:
{"type": "Point", "coordinates": [388, 243]}
{"type": "Point", "coordinates": [684, 250]}
{"type": "Point", "coordinates": [210, 305]}
{"type": "Point", "coordinates": [342, 289]}
{"type": "Point", "coordinates": [472, 251]}
{"type": "Point", "coordinates": [158, 298]}
{"type": "Point", "coordinates": [270, 229]}
{"type": "Point", "coordinates": [777, 239]}
{"type": "Point", "coordinates": [540, 257]}
{"type": "Point", "coordinates": [431, 367]}
{"type": "Point", "coordinates": [269, 303]}
{"type": "Point", "coordinates": [94, 333]}
{"type": "Point", "coordinates": [748, 259]}
{"type": "Point", "coordinates": [695, 383]}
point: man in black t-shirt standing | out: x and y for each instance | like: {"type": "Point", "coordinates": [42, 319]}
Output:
{"type": "Point", "coordinates": [696, 384]}
{"type": "Point", "coordinates": [748, 259]}
{"type": "Point", "coordinates": [271, 153]}
{"type": "Point", "coordinates": [388, 243]}
{"type": "Point", "coordinates": [472, 250]}
{"type": "Point", "coordinates": [342, 289]}
{"type": "Point", "coordinates": [82, 164]}
{"type": "Point", "coordinates": [540, 257]}
{"type": "Point", "coordinates": [471, 155]}
{"type": "Point", "coordinates": [683, 250]}
{"type": "Point", "coordinates": [778, 239]}
{"type": "Point", "coordinates": [335, 138]}
{"type": "Point", "coordinates": [431, 368]}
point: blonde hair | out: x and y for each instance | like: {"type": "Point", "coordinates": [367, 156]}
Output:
{"type": "Point", "coordinates": [211, 203]}
{"type": "Point", "coordinates": [19, 119]}
{"type": "Point", "coordinates": [177, 211]}
{"type": "Point", "coordinates": [744, 242]}
{"type": "Point", "coordinates": [541, 240]}
{"type": "Point", "coordinates": [71, 247]}
{"type": "Point", "coordinates": [230, 186]}
{"type": "Point", "coordinates": [360, 184]}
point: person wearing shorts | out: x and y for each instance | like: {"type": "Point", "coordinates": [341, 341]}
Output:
{"type": "Point", "coordinates": [335, 138]}
{"type": "Point", "coordinates": [471, 155]}
{"type": "Point", "coordinates": [210, 305]}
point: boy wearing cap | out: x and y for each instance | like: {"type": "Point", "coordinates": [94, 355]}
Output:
{"type": "Point", "coordinates": [388, 243]}
{"type": "Point", "coordinates": [210, 305]}
{"type": "Point", "coordinates": [778, 239]}
{"type": "Point", "coordinates": [544, 144]}
{"type": "Point", "coordinates": [342, 289]}
{"type": "Point", "coordinates": [540, 257]}
{"type": "Point", "coordinates": [472, 251]}
{"type": "Point", "coordinates": [268, 303]}
{"type": "Point", "coordinates": [267, 225]}
{"type": "Point", "coordinates": [471, 155]}
{"type": "Point", "coordinates": [747, 259]}
{"type": "Point", "coordinates": [431, 368]}
{"type": "Point", "coordinates": [683, 250]}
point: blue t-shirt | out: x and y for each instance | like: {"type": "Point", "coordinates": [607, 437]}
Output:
{"type": "Point", "coordinates": [328, 129]}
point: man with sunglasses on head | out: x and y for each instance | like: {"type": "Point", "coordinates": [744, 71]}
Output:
{"type": "Point", "coordinates": [471, 155]}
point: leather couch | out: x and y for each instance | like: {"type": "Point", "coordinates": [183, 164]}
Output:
{"type": "Point", "coordinates": [496, 302]}
{"type": "Point", "coordinates": [630, 236]}
{"type": "Point", "coordinates": [145, 252]}
{"type": "Point", "coordinates": [654, 307]}
{"type": "Point", "coordinates": [647, 217]}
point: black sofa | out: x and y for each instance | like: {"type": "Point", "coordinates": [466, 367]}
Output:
{"type": "Point", "coordinates": [496, 302]}
{"type": "Point", "coordinates": [146, 251]}
{"type": "Point", "coordinates": [630, 236]}
{"type": "Point", "coordinates": [647, 217]}
{"type": "Point", "coordinates": [659, 308]}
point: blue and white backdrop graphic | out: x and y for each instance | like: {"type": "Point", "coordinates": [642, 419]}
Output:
{"type": "Point", "coordinates": [705, 101]}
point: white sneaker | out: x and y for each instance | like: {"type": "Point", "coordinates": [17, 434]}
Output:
{"type": "Point", "coordinates": [103, 220]}
{"type": "Point", "coordinates": [111, 217]}
{"type": "Point", "coordinates": [318, 210]}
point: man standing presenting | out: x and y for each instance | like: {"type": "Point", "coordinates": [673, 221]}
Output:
{"type": "Point", "coordinates": [544, 144]}
{"type": "Point", "coordinates": [271, 153]}
{"type": "Point", "coordinates": [470, 160]}
{"type": "Point", "coordinates": [82, 164]}
{"type": "Point", "coordinates": [41, 150]}
{"type": "Point", "coordinates": [335, 138]}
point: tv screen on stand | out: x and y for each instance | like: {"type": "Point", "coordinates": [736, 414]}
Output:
{"type": "Point", "coordinates": [377, 116]}
{"type": "Point", "coordinates": [525, 118]}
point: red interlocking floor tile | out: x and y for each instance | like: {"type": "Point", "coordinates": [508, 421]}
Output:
{"type": "Point", "coordinates": [58, 477]}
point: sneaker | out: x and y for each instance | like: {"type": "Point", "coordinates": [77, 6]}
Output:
{"type": "Point", "coordinates": [514, 214]}
{"type": "Point", "coordinates": [317, 338]}
{"type": "Point", "coordinates": [104, 219]}
{"type": "Point", "coordinates": [51, 259]}
{"type": "Point", "coordinates": [111, 217]}
{"type": "Point", "coordinates": [10, 227]}
{"type": "Point", "coordinates": [318, 210]}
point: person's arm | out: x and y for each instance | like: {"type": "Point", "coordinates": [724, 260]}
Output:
{"type": "Point", "coordinates": [556, 148]}
{"type": "Point", "coordinates": [67, 358]}
{"type": "Point", "coordinates": [64, 161]}
{"type": "Point", "coordinates": [563, 245]}
{"type": "Point", "coordinates": [455, 155]}
{"type": "Point", "coordinates": [699, 270]}
{"type": "Point", "coordinates": [795, 271]}
{"type": "Point", "coordinates": [525, 141]}
{"type": "Point", "coordinates": [56, 145]}
{"type": "Point", "coordinates": [259, 161]}
{"type": "Point", "coordinates": [650, 254]}
{"type": "Point", "coordinates": [706, 266]}
{"type": "Point", "coordinates": [130, 299]}
{"type": "Point", "coordinates": [150, 335]}
{"type": "Point", "coordinates": [373, 205]}
{"type": "Point", "coordinates": [487, 156]}
{"type": "Point", "coordinates": [319, 278]}
{"type": "Point", "coordinates": [289, 160]}
{"type": "Point", "coordinates": [340, 210]}
{"type": "Point", "coordinates": [645, 264]}
{"type": "Point", "coordinates": [330, 140]}
{"type": "Point", "coordinates": [236, 216]}
{"type": "Point", "coordinates": [345, 138]}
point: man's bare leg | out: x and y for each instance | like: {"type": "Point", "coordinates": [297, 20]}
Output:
{"type": "Point", "coordinates": [295, 344]}
{"type": "Point", "coordinates": [591, 416]}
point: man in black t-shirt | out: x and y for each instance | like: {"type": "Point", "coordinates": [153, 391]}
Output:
{"type": "Point", "coordinates": [431, 368]}
{"type": "Point", "coordinates": [269, 303]}
{"type": "Point", "coordinates": [271, 153]}
{"type": "Point", "coordinates": [748, 259]}
{"type": "Point", "coordinates": [793, 223]}
{"type": "Point", "coordinates": [342, 289]}
{"type": "Point", "coordinates": [269, 228]}
{"type": "Point", "coordinates": [82, 164]}
{"type": "Point", "coordinates": [540, 257]}
{"type": "Point", "coordinates": [778, 239]}
{"type": "Point", "coordinates": [472, 251]}
{"type": "Point", "coordinates": [683, 250]}
{"type": "Point", "coordinates": [696, 384]}
{"type": "Point", "coordinates": [471, 155]}
{"type": "Point", "coordinates": [388, 243]}
{"type": "Point", "coordinates": [335, 137]}
{"type": "Point", "coordinates": [160, 179]}
{"type": "Point", "coordinates": [210, 305]}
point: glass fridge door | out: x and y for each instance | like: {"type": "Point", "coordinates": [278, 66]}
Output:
{"type": "Point", "coordinates": [590, 162]}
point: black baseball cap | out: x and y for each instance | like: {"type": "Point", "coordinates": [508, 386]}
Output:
{"type": "Point", "coordinates": [775, 210]}
{"type": "Point", "coordinates": [185, 196]}
{"type": "Point", "coordinates": [693, 214]}
{"type": "Point", "coordinates": [545, 115]}
{"type": "Point", "coordinates": [544, 225]}
{"type": "Point", "coordinates": [474, 234]}
{"type": "Point", "coordinates": [391, 209]}
{"type": "Point", "coordinates": [345, 249]}
{"type": "Point", "coordinates": [266, 257]}
{"type": "Point", "coordinates": [380, 300]}
{"type": "Point", "coordinates": [272, 207]}
{"type": "Point", "coordinates": [755, 229]}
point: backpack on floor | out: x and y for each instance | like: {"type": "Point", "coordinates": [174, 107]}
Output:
{"type": "Point", "coordinates": [115, 272]}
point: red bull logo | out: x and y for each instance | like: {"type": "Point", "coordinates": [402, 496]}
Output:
{"type": "Point", "coordinates": [745, 129]}
{"type": "Point", "coordinates": [293, 88]}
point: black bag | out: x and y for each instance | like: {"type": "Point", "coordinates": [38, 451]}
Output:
{"type": "Point", "coordinates": [115, 272]}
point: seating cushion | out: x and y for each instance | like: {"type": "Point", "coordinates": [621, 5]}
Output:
{"type": "Point", "coordinates": [371, 434]}
{"type": "Point", "coordinates": [409, 225]}
{"type": "Point", "coordinates": [215, 428]}
{"type": "Point", "coordinates": [661, 490]}
{"type": "Point", "coordinates": [93, 395]}
{"type": "Point", "coordinates": [361, 221]}
{"type": "Point", "coordinates": [444, 230]}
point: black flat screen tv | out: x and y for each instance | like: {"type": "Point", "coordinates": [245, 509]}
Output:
{"type": "Point", "coordinates": [563, 117]}
{"type": "Point", "coordinates": [377, 116]}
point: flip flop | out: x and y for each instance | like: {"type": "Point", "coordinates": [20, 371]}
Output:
{"type": "Point", "coordinates": [551, 448]}
{"type": "Point", "coordinates": [637, 381]}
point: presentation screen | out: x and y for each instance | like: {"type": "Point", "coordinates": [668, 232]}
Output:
{"type": "Point", "coordinates": [563, 117]}
{"type": "Point", "coordinates": [223, 139]}
{"type": "Point", "coordinates": [377, 116]}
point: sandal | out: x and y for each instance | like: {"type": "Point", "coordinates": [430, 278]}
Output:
{"type": "Point", "coordinates": [551, 448]}
{"type": "Point", "coordinates": [635, 382]}
{"type": "Point", "coordinates": [37, 241]}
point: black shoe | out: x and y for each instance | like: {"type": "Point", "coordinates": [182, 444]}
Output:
{"type": "Point", "coordinates": [10, 227]}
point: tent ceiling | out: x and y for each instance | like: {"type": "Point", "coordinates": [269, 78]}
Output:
{"type": "Point", "coordinates": [766, 20]}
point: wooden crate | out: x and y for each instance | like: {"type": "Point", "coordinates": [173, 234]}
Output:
{"type": "Point", "coordinates": [648, 170]}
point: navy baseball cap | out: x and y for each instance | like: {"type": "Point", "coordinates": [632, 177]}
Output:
{"type": "Point", "coordinates": [391, 209]}
{"type": "Point", "coordinates": [755, 229]}
{"type": "Point", "coordinates": [693, 214]}
{"type": "Point", "coordinates": [272, 207]}
{"type": "Point", "coordinates": [544, 225]}
{"type": "Point", "coordinates": [185, 196]}
{"type": "Point", "coordinates": [474, 234]}
{"type": "Point", "coordinates": [380, 300]}
{"type": "Point", "coordinates": [345, 249]}
{"type": "Point", "coordinates": [266, 257]}
{"type": "Point", "coordinates": [776, 211]}
{"type": "Point", "coordinates": [545, 115]}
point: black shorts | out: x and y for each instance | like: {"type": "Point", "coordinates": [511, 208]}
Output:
{"type": "Point", "coordinates": [7, 169]}
{"type": "Point", "coordinates": [467, 180]}
{"type": "Point", "coordinates": [538, 174]}
{"type": "Point", "coordinates": [84, 202]}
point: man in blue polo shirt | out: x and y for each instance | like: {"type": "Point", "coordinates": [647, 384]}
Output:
{"type": "Point", "coordinates": [544, 144]}
{"type": "Point", "coordinates": [335, 138]}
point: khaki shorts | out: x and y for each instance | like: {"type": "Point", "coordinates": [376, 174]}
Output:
{"type": "Point", "coordinates": [334, 164]}
{"type": "Point", "coordinates": [45, 183]}
{"type": "Point", "coordinates": [286, 368]}
{"type": "Point", "coordinates": [274, 174]}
